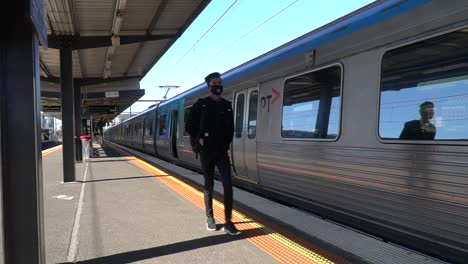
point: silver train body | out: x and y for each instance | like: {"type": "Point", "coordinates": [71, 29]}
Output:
{"type": "Point", "coordinates": [351, 167]}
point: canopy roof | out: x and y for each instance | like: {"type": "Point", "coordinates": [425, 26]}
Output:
{"type": "Point", "coordinates": [115, 43]}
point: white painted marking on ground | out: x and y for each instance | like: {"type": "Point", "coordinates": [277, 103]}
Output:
{"type": "Point", "coordinates": [64, 197]}
{"type": "Point", "coordinates": [73, 250]}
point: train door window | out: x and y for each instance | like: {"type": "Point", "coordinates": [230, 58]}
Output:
{"type": "Point", "coordinates": [150, 126]}
{"type": "Point", "coordinates": [239, 115]}
{"type": "Point", "coordinates": [424, 90]}
{"type": "Point", "coordinates": [311, 104]}
{"type": "Point", "coordinates": [186, 115]}
{"type": "Point", "coordinates": [252, 121]}
{"type": "Point", "coordinates": [162, 125]}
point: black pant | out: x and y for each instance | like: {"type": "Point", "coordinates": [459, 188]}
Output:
{"type": "Point", "coordinates": [208, 161]}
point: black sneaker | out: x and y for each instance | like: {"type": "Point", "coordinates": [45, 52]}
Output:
{"type": "Point", "coordinates": [211, 224]}
{"type": "Point", "coordinates": [230, 229]}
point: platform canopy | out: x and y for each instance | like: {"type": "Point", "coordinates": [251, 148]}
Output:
{"type": "Point", "coordinates": [115, 43]}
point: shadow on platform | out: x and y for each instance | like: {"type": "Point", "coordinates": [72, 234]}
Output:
{"type": "Point", "coordinates": [149, 253]}
{"type": "Point", "coordinates": [103, 151]}
{"type": "Point", "coordinates": [123, 179]}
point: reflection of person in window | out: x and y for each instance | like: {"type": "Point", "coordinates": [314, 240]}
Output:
{"type": "Point", "coordinates": [421, 129]}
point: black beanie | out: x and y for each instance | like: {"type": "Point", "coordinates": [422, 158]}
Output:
{"type": "Point", "coordinates": [211, 76]}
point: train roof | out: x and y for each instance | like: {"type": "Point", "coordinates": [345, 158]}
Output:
{"type": "Point", "coordinates": [142, 113]}
{"type": "Point", "coordinates": [359, 19]}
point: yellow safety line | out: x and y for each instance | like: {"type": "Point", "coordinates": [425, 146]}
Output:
{"type": "Point", "coordinates": [296, 247]}
{"type": "Point", "coordinates": [244, 179]}
{"type": "Point", "coordinates": [51, 150]}
{"type": "Point", "coordinates": [280, 238]}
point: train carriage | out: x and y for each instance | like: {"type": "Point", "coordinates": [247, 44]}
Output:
{"type": "Point", "coordinates": [148, 131]}
{"type": "Point", "coordinates": [319, 120]}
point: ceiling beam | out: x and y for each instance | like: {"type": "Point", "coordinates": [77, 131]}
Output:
{"type": "Point", "coordinates": [188, 22]}
{"type": "Point", "coordinates": [162, 6]}
{"type": "Point", "coordinates": [89, 42]}
{"type": "Point", "coordinates": [76, 29]}
{"type": "Point", "coordinates": [154, 20]}
{"type": "Point", "coordinates": [45, 70]}
{"type": "Point", "coordinates": [91, 80]}
{"type": "Point", "coordinates": [74, 17]}
{"type": "Point", "coordinates": [52, 30]}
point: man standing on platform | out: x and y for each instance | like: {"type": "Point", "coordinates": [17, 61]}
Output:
{"type": "Point", "coordinates": [211, 128]}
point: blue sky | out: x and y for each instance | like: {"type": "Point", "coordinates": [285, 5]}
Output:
{"type": "Point", "coordinates": [248, 29]}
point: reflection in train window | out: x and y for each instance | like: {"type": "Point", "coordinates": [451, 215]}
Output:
{"type": "Point", "coordinates": [239, 115]}
{"type": "Point", "coordinates": [136, 129]}
{"type": "Point", "coordinates": [424, 90]}
{"type": "Point", "coordinates": [150, 124]}
{"type": "Point", "coordinates": [162, 125]}
{"type": "Point", "coordinates": [149, 127]}
{"type": "Point", "coordinates": [186, 115]}
{"type": "Point", "coordinates": [311, 104]}
{"type": "Point", "coordinates": [252, 123]}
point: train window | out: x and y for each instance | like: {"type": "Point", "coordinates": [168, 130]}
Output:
{"type": "Point", "coordinates": [239, 115]}
{"type": "Point", "coordinates": [149, 125]}
{"type": "Point", "coordinates": [186, 115]}
{"type": "Point", "coordinates": [252, 125]}
{"type": "Point", "coordinates": [311, 104]}
{"type": "Point", "coordinates": [162, 125]}
{"type": "Point", "coordinates": [424, 90]}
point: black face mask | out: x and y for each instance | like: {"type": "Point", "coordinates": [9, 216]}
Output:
{"type": "Point", "coordinates": [217, 89]}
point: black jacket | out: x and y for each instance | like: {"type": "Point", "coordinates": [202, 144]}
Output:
{"type": "Point", "coordinates": [213, 121]}
{"type": "Point", "coordinates": [413, 131]}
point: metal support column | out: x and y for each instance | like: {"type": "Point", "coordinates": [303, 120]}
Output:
{"type": "Point", "coordinates": [68, 117]}
{"type": "Point", "coordinates": [77, 91]}
{"type": "Point", "coordinates": [21, 157]}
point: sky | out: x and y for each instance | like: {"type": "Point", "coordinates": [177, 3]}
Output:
{"type": "Point", "coordinates": [230, 32]}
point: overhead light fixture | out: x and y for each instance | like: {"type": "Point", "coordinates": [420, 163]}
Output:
{"type": "Point", "coordinates": [121, 4]}
{"type": "Point", "coordinates": [115, 40]}
{"type": "Point", "coordinates": [106, 73]}
{"type": "Point", "coordinates": [108, 64]}
{"type": "Point", "coordinates": [110, 52]}
{"type": "Point", "coordinates": [118, 23]}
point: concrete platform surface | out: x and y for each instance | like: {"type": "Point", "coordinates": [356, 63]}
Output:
{"type": "Point", "coordinates": [128, 216]}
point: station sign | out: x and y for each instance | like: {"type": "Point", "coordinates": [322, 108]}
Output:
{"type": "Point", "coordinates": [112, 94]}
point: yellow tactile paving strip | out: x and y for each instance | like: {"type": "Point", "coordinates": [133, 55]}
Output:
{"type": "Point", "coordinates": [47, 152]}
{"type": "Point", "coordinates": [281, 244]}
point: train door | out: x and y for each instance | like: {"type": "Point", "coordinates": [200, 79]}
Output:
{"type": "Point", "coordinates": [244, 146]}
{"type": "Point", "coordinates": [174, 132]}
